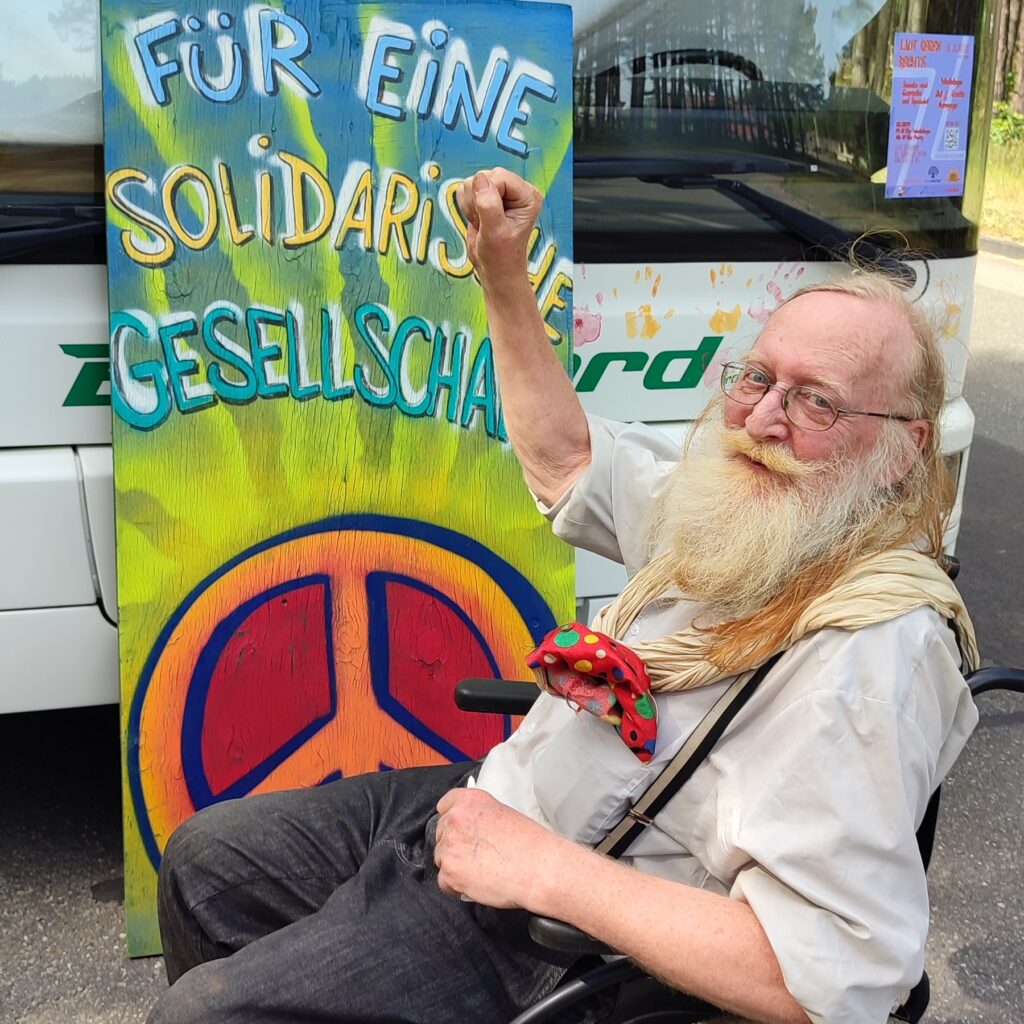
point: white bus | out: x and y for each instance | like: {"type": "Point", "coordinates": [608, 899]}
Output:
{"type": "Point", "coordinates": [724, 154]}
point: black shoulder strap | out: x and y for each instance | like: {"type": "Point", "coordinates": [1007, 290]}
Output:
{"type": "Point", "coordinates": [691, 754]}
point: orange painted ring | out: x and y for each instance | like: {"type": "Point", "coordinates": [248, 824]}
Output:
{"type": "Point", "coordinates": [505, 607]}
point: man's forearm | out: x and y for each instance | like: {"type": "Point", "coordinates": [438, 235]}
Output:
{"type": "Point", "coordinates": [705, 944]}
{"type": "Point", "coordinates": [545, 421]}
{"type": "Point", "coordinates": [543, 416]}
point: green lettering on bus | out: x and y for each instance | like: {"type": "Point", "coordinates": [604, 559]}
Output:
{"type": "Point", "coordinates": [697, 362]}
{"type": "Point", "coordinates": [95, 372]}
{"type": "Point", "coordinates": [656, 378]}
{"type": "Point", "coordinates": [631, 361]}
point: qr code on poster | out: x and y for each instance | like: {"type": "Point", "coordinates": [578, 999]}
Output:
{"type": "Point", "coordinates": [951, 138]}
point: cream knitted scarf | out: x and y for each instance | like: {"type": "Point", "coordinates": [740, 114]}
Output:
{"type": "Point", "coordinates": [874, 589]}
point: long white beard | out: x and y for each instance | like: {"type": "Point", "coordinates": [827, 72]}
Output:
{"type": "Point", "coordinates": [740, 534]}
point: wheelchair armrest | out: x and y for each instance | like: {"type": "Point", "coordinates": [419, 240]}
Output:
{"type": "Point", "coordinates": [564, 938]}
{"type": "Point", "coordinates": [497, 696]}
{"type": "Point", "coordinates": [997, 677]}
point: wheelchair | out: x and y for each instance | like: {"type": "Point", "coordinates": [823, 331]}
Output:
{"type": "Point", "coordinates": [618, 989]}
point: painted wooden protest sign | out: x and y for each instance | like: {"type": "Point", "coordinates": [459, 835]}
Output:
{"type": "Point", "coordinates": [320, 523]}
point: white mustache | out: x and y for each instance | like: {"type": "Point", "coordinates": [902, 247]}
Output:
{"type": "Point", "coordinates": [771, 456]}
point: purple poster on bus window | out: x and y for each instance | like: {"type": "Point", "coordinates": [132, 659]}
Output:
{"type": "Point", "coordinates": [931, 92]}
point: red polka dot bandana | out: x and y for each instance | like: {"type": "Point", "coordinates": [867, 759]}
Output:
{"type": "Point", "coordinates": [594, 673]}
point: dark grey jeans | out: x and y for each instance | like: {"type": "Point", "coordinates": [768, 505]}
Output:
{"type": "Point", "coordinates": [322, 905]}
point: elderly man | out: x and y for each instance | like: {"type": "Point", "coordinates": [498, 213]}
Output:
{"type": "Point", "coordinates": [783, 882]}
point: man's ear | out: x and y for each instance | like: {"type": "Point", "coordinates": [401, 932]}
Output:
{"type": "Point", "coordinates": [920, 431]}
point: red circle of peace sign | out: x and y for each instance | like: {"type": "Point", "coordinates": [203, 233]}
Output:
{"type": "Point", "coordinates": [329, 651]}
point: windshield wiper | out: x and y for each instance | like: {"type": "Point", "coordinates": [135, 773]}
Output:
{"type": "Point", "coordinates": [820, 234]}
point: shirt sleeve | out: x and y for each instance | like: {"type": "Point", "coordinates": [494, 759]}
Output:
{"type": "Point", "coordinates": [821, 821]}
{"type": "Point", "coordinates": [609, 509]}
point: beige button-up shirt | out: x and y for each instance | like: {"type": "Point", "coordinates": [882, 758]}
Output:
{"type": "Point", "coordinates": [807, 807]}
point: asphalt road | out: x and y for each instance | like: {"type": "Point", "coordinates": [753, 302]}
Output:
{"type": "Point", "coordinates": [976, 948]}
{"type": "Point", "coordinates": [61, 924]}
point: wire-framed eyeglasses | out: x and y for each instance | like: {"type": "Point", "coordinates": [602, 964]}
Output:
{"type": "Point", "coordinates": [804, 407]}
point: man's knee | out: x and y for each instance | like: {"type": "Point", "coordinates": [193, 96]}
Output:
{"type": "Point", "coordinates": [199, 849]}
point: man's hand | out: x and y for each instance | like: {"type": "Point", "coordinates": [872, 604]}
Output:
{"type": "Point", "coordinates": [491, 853]}
{"type": "Point", "coordinates": [500, 208]}
{"type": "Point", "coordinates": [701, 942]}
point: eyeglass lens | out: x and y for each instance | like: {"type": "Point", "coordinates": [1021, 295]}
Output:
{"type": "Point", "coordinates": [804, 406]}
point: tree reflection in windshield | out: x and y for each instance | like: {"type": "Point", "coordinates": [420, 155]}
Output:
{"type": "Point", "coordinates": [794, 95]}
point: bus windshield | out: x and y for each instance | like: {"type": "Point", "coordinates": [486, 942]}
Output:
{"type": "Point", "coordinates": [754, 127]}
{"type": "Point", "coordinates": [703, 131]}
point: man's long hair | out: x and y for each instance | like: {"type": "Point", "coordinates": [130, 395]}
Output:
{"type": "Point", "coordinates": [911, 510]}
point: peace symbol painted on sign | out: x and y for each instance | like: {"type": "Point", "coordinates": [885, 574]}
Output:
{"type": "Point", "coordinates": [328, 650]}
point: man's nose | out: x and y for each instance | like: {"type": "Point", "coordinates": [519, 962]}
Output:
{"type": "Point", "coordinates": [767, 420]}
